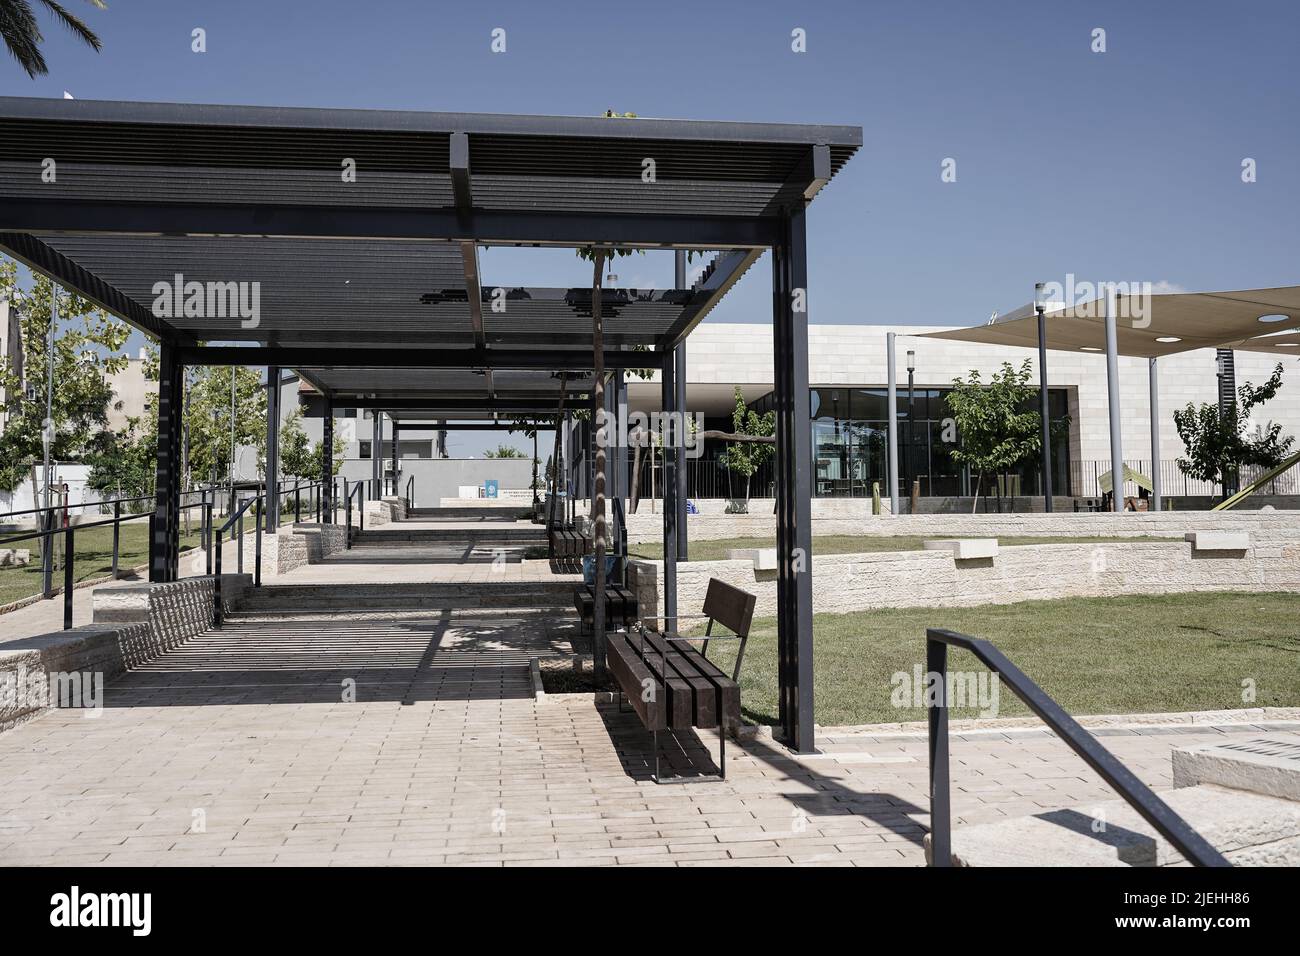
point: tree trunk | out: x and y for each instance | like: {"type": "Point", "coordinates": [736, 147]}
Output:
{"type": "Point", "coordinates": [975, 499]}
{"type": "Point", "coordinates": [636, 474]}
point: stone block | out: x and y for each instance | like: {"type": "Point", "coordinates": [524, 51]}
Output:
{"type": "Point", "coordinates": [964, 549]}
{"type": "Point", "coordinates": [1218, 540]}
{"type": "Point", "coordinates": [1268, 765]}
{"type": "Point", "coordinates": [764, 559]}
{"type": "Point", "coordinates": [15, 557]}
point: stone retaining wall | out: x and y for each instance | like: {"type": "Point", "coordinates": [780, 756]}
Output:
{"type": "Point", "coordinates": [1279, 525]}
{"type": "Point", "coordinates": [133, 624]}
{"type": "Point", "coordinates": [292, 547]}
{"type": "Point", "coordinates": [859, 582]}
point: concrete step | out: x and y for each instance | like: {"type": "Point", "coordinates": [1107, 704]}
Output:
{"type": "Point", "coordinates": [556, 617]}
{"type": "Point", "coordinates": [324, 597]}
{"type": "Point", "coordinates": [479, 537]}
{"type": "Point", "coordinates": [470, 513]}
{"type": "Point", "coordinates": [1250, 829]}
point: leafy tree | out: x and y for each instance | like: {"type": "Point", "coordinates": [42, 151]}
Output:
{"type": "Point", "coordinates": [22, 34]}
{"type": "Point", "coordinates": [124, 466]}
{"type": "Point", "coordinates": [504, 451]}
{"type": "Point", "coordinates": [999, 431]}
{"type": "Point", "coordinates": [208, 415]}
{"type": "Point", "coordinates": [87, 348]}
{"type": "Point", "coordinates": [297, 459]}
{"type": "Point", "coordinates": [1219, 443]}
{"type": "Point", "coordinates": [744, 458]}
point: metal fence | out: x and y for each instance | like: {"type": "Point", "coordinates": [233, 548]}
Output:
{"type": "Point", "coordinates": [1084, 477]}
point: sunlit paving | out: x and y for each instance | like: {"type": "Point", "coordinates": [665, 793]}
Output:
{"type": "Point", "coordinates": [408, 460]}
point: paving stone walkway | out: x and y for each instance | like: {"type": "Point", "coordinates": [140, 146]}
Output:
{"type": "Point", "coordinates": [239, 749]}
{"type": "Point", "coordinates": [415, 738]}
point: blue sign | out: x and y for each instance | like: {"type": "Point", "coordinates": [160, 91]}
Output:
{"type": "Point", "coordinates": [490, 486]}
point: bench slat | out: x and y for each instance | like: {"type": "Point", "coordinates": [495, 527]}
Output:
{"type": "Point", "coordinates": [630, 672]}
{"type": "Point", "coordinates": [704, 694]}
{"type": "Point", "coordinates": [728, 689]}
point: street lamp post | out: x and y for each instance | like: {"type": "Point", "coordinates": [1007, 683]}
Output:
{"type": "Point", "coordinates": [911, 425]}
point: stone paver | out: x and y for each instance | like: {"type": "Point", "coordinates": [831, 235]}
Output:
{"type": "Point", "coordinates": [455, 762]}
{"type": "Point", "coordinates": [415, 739]}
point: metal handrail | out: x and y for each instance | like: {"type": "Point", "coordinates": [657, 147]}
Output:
{"type": "Point", "coordinates": [410, 492]}
{"type": "Point", "coordinates": [47, 534]}
{"type": "Point", "coordinates": [358, 490]}
{"type": "Point", "coordinates": [1138, 795]}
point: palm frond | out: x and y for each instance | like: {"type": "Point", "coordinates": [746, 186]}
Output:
{"type": "Point", "coordinates": [22, 36]}
{"type": "Point", "coordinates": [74, 23]}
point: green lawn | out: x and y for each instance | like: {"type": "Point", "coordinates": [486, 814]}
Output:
{"type": "Point", "coordinates": [1175, 652]}
{"type": "Point", "coordinates": [94, 558]}
{"type": "Point", "coordinates": [839, 544]}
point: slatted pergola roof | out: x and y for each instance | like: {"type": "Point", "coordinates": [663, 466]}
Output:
{"type": "Point", "coordinates": [360, 231]}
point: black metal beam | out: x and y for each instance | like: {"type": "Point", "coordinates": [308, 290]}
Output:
{"type": "Point", "coordinates": [272, 469]}
{"type": "Point", "coordinates": [810, 175]}
{"type": "Point", "coordinates": [540, 228]}
{"type": "Point", "coordinates": [39, 257]}
{"type": "Point", "coordinates": [727, 269]}
{"type": "Point", "coordinates": [310, 357]}
{"type": "Point", "coordinates": [469, 404]}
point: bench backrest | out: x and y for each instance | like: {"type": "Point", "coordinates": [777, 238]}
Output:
{"type": "Point", "coordinates": [729, 606]}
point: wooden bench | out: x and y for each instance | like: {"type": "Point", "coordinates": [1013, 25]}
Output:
{"type": "Point", "coordinates": [620, 605]}
{"type": "Point", "coordinates": [673, 686]}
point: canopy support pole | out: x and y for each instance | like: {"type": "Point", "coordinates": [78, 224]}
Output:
{"type": "Point", "coordinates": [1044, 410]}
{"type": "Point", "coordinates": [891, 361]}
{"type": "Point", "coordinates": [668, 432]}
{"type": "Point", "coordinates": [1153, 376]}
{"type": "Point", "coordinates": [272, 509]}
{"type": "Point", "coordinates": [1112, 407]}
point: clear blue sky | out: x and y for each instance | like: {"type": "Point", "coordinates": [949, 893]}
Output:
{"type": "Point", "coordinates": [1123, 165]}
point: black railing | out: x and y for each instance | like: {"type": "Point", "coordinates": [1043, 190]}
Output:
{"type": "Point", "coordinates": [1138, 795]}
{"type": "Point", "coordinates": [235, 525]}
{"type": "Point", "coordinates": [357, 491]}
{"type": "Point", "coordinates": [49, 530]}
{"type": "Point", "coordinates": [410, 492]}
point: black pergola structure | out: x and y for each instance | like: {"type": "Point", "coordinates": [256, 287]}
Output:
{"type": "Point", "coordinates": [362, 231]}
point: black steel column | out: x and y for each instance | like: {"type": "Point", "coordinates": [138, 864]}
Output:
{"type": "Point", "coordinates": [793, 490]}
{"type": "Point", "coordinates": [327, 464]}
{"type": "Point", "coordinates": [272, 449]}
{"type": "Point", "coordinates": [397, 457]}
{"type": "Point", "coordinates": [669, 435]}
{"type": "Point", "coordinates": [376, 450]}
{"type": "Point", "coordinates": [164, 542]}
{"type": "Point", "coordinates": [679, 380]}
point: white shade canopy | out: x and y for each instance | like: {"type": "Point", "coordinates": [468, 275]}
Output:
{"type": "Point", "coordinates": [1256, 320]}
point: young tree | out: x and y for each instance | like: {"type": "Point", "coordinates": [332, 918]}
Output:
{"type": "Point", "coordinates": [87, 348]}
{"type": "Point", "coordinates": [744, 458]}
{"type": "Point", "coordinates": [1218, 443]}
{"type": "Point", "coordinates": [999, 432]}
{"type": "Point", "coordinates": [297, 459]}
{"type": "Point", "coordinates": [504, 451]}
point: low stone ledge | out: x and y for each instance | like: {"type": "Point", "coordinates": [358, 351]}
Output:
{"type": "Point", "coordinates": [964, 549]}
{"type": "Point", "coordinates": [1268, 764]}
{"type": "Point", "coordinates": [1218, 540]}
{"type": "Point", "coordinates": [764, 559]}
{"type": "Point", "coordinates": [133, 624]}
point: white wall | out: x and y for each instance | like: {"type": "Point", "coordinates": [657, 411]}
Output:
{"type": "Point", "coordinates": [854, 355]}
